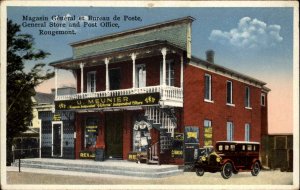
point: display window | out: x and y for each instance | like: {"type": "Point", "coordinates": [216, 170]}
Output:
{"type": "Point", "coordinates": [90, 133]}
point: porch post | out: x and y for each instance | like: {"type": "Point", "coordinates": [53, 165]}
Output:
{"type": "Point", "coordinates": [56, 73]}
{"type": "Point", "coordinates": [106, 72]}
{"type": "Point", "coordinates": [133, 57]}
{"type": "Point", "coordinates": [181, 71]}
{"type": "Point", "coordinates": [81, 77]}
{"type": "Point", "coordinates": [164, 53]}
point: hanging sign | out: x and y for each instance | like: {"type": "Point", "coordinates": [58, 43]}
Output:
{"type": "Point", "coordinates": [108, 102]}
{"type": "Point", "coordinates": [208, 136]}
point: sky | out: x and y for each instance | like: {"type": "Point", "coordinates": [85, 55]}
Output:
{"type": "Point", "coordinates": [254, 41]}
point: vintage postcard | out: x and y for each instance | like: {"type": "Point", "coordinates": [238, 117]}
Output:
{"type": "Point", "coordinates": [149, 95]}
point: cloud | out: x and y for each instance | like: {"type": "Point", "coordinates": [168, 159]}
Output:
{"type": "Point", "coordinates": [250, 33]}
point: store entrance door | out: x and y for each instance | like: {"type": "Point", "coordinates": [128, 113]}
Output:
{"type": "Point", "coordinates": [114, 135]}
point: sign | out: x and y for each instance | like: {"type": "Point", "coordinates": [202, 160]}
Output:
{"type": "Point", "coordinates": [208, 136]}
{"type": "Point", "coordinates": [56, 117]}
{"type": "Point", "coordinates": [108, 102]}
{"type": "Point", "coordinates": [191, 135]}
{"type": "Point", "coordinates": [87, 155]}
{"type": "Point", "coordinates": [132, 156]}
{"type": "Point", "coordinates": [177, 145]}
{"type": "Point", "coordinates": [91, 129]}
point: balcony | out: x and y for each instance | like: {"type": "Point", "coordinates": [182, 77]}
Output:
{"type": "Point", "coordinates": [169, 95]}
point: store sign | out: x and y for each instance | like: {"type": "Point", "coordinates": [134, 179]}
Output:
{"type": "Point", "coordinates": [208, 136]}
{"type": "Point", "coordinates": [177, 145]}
{"type": "Point", "coordinates": [87, 155]}
{"type": "Point", "coordinates": [132, 156]}
{"type": "Point", "coordinates": [108, 102]}
{"type": "Point", "coordinates": [56, 117]}
{"type": "Point", "coordinates": [91, 129]}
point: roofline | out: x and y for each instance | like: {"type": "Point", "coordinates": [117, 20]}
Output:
{"type": "Point", "coordinates": [130, 31]}
{"type": "Point", "coordinates": [229, 71]}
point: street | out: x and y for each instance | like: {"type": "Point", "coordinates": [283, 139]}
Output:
{"type": "Point", "coordinates": [188, 178]}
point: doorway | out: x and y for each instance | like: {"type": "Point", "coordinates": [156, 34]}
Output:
{"type": "Point", "coordinates": [114, 79]}
{"type": "Point", "coordinates": [57, 136]}
{"type": "Point", "coordinates": [114, 135]}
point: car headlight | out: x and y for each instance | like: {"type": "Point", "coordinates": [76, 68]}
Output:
{"type": "Point", "coordinates": [218, 159]}
{"type": "Point", "coordinates": [203, 158]}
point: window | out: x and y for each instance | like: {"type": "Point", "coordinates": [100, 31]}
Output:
{"type": "Point", "coordinates": [263, 99]}
{"type": "Point", "coordinates": [140, 76]}
{"type": "Point", "coordinates": [247, 132]}
{"type": "Point", "coordinates": [208, 133]}
{"type": "Point", "coordinates": [207, 93]}
{"type": "Point", "coordinates": [230, 131]}
{"type": "Point", "coordinates": [169, 72]}
{"type": "Point", "coordinates": [90, 133]}
{"type": "Point", "coordinates": [91, 81]}
{"type": "Point", "coordinates": [247, 97]}
{"type": "Point", "coordinates": [229, 92]}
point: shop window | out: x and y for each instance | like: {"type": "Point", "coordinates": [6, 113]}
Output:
{"type": "Point", "coordinates": [141, 138]}
{"type": "Point", "coordinates": [90, 133]}
{"type": "Point", "coordinates": [91, 81]}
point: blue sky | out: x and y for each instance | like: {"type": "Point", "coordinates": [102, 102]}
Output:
{"type": "Point", "coordinates": [254, 41]}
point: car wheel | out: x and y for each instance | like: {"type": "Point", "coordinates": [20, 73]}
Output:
{"type": "Point", "coordinates": [255, 169]}
{"type": "Point", "coordinates": [226, 171]}
{"type": "Point", "coordinates": [200, 171]}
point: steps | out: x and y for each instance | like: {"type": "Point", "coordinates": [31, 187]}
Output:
{"type": "Point", "coordinates": [112, 167]}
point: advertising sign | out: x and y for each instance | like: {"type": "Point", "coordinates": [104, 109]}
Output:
{"type": "Point", "coordinates": [177, 145]}
{"type": "Point", "coordinates": [108, 102]}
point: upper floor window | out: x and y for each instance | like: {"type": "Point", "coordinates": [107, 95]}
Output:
{"type": "Point", "coordinates": [230, 130]}
{"type": "Point", "coordinates": [207, 88]}
{"type": "Point", "coordinates": [247, 97]}
{"type": "Point", "coordinates": [247, 132]}
{"type": "Point", "coordinates": [140, 76]}
{"type": "Point", "coordinates": [263, 99]}
{"type": "Point", "coordinates": [170, 73]}
{"type": "Point", "coordinates": [229, 92]}
{"type": "Point", "coordinates": [91, 81]}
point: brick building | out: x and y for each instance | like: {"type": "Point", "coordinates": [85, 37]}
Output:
{"type": "Point", "coordinates": [142, 92]}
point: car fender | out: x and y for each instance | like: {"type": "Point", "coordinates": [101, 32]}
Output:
{"type": "Point", "coordinates": [223, 162]}
{"type": "Point", "coordinates": [255, 160]}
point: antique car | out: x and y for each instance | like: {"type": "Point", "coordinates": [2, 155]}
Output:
{"type": "Point", "coordinates": [229, 157]}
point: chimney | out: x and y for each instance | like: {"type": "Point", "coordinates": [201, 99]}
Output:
{"type": "Point", "coordinates": [210, 56]}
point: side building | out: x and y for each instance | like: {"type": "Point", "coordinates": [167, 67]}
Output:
{"type": "Point", "coordinates": [141, 93]}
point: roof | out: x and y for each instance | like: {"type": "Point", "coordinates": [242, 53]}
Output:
{"type": "Point", "coordinates": [44, 98]}
{"type": "Point", "coordinates": [133, 47]}
{"type": "Point", "coordinates": [223, 69]}
{"type": "Point", "coordinates": [126, 32]}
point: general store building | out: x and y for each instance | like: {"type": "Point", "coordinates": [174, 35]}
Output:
{"type": "Point", "coordinates": [141, 90]}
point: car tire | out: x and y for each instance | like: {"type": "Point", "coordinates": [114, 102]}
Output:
{"type": "Point", "coordinates": [255, 169]}
{"type": "Point", "coordinates": [200, 171]}
{"type": "Point", "coordinates": [226, 171]}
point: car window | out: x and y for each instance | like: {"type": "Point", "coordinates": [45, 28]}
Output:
{"type": "Point", "coordinates": [243, 147]}
{"type": "Point", "coordinates": [254, 147]}
{"type": "Point", "coordinates": [220, 147]}
{"type": "Point", "coordinates": [232, 147]}
{"type": "Point", "coordinates": [226, 147]}
{"type": "Point", "coordinates": [249, 147]}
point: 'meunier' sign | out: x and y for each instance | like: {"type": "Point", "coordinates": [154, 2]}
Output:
{"type": "Point", "coordinates": [107, 102]}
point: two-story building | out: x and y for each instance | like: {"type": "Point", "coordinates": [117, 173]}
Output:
{"type": "Point", "coordinates": [141, 90]}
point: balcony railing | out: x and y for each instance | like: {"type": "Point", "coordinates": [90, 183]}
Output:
{"type": "Point", "coordinates": [167, 93]}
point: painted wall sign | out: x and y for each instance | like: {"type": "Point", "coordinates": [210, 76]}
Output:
{"type": "Point", "coordinates": [87, 155]}
{"type": "Point", "coordinates": [107, 102]}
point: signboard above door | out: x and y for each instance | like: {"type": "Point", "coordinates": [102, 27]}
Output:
{"type": "Point", "coordinates": [109, 102]}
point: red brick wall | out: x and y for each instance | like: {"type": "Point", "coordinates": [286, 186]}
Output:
{"type": "Point", "coordinates": [196, 110]}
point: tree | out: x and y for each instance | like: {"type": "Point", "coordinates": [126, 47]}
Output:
{"type": "Point", "coordinates": [20, 85]}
